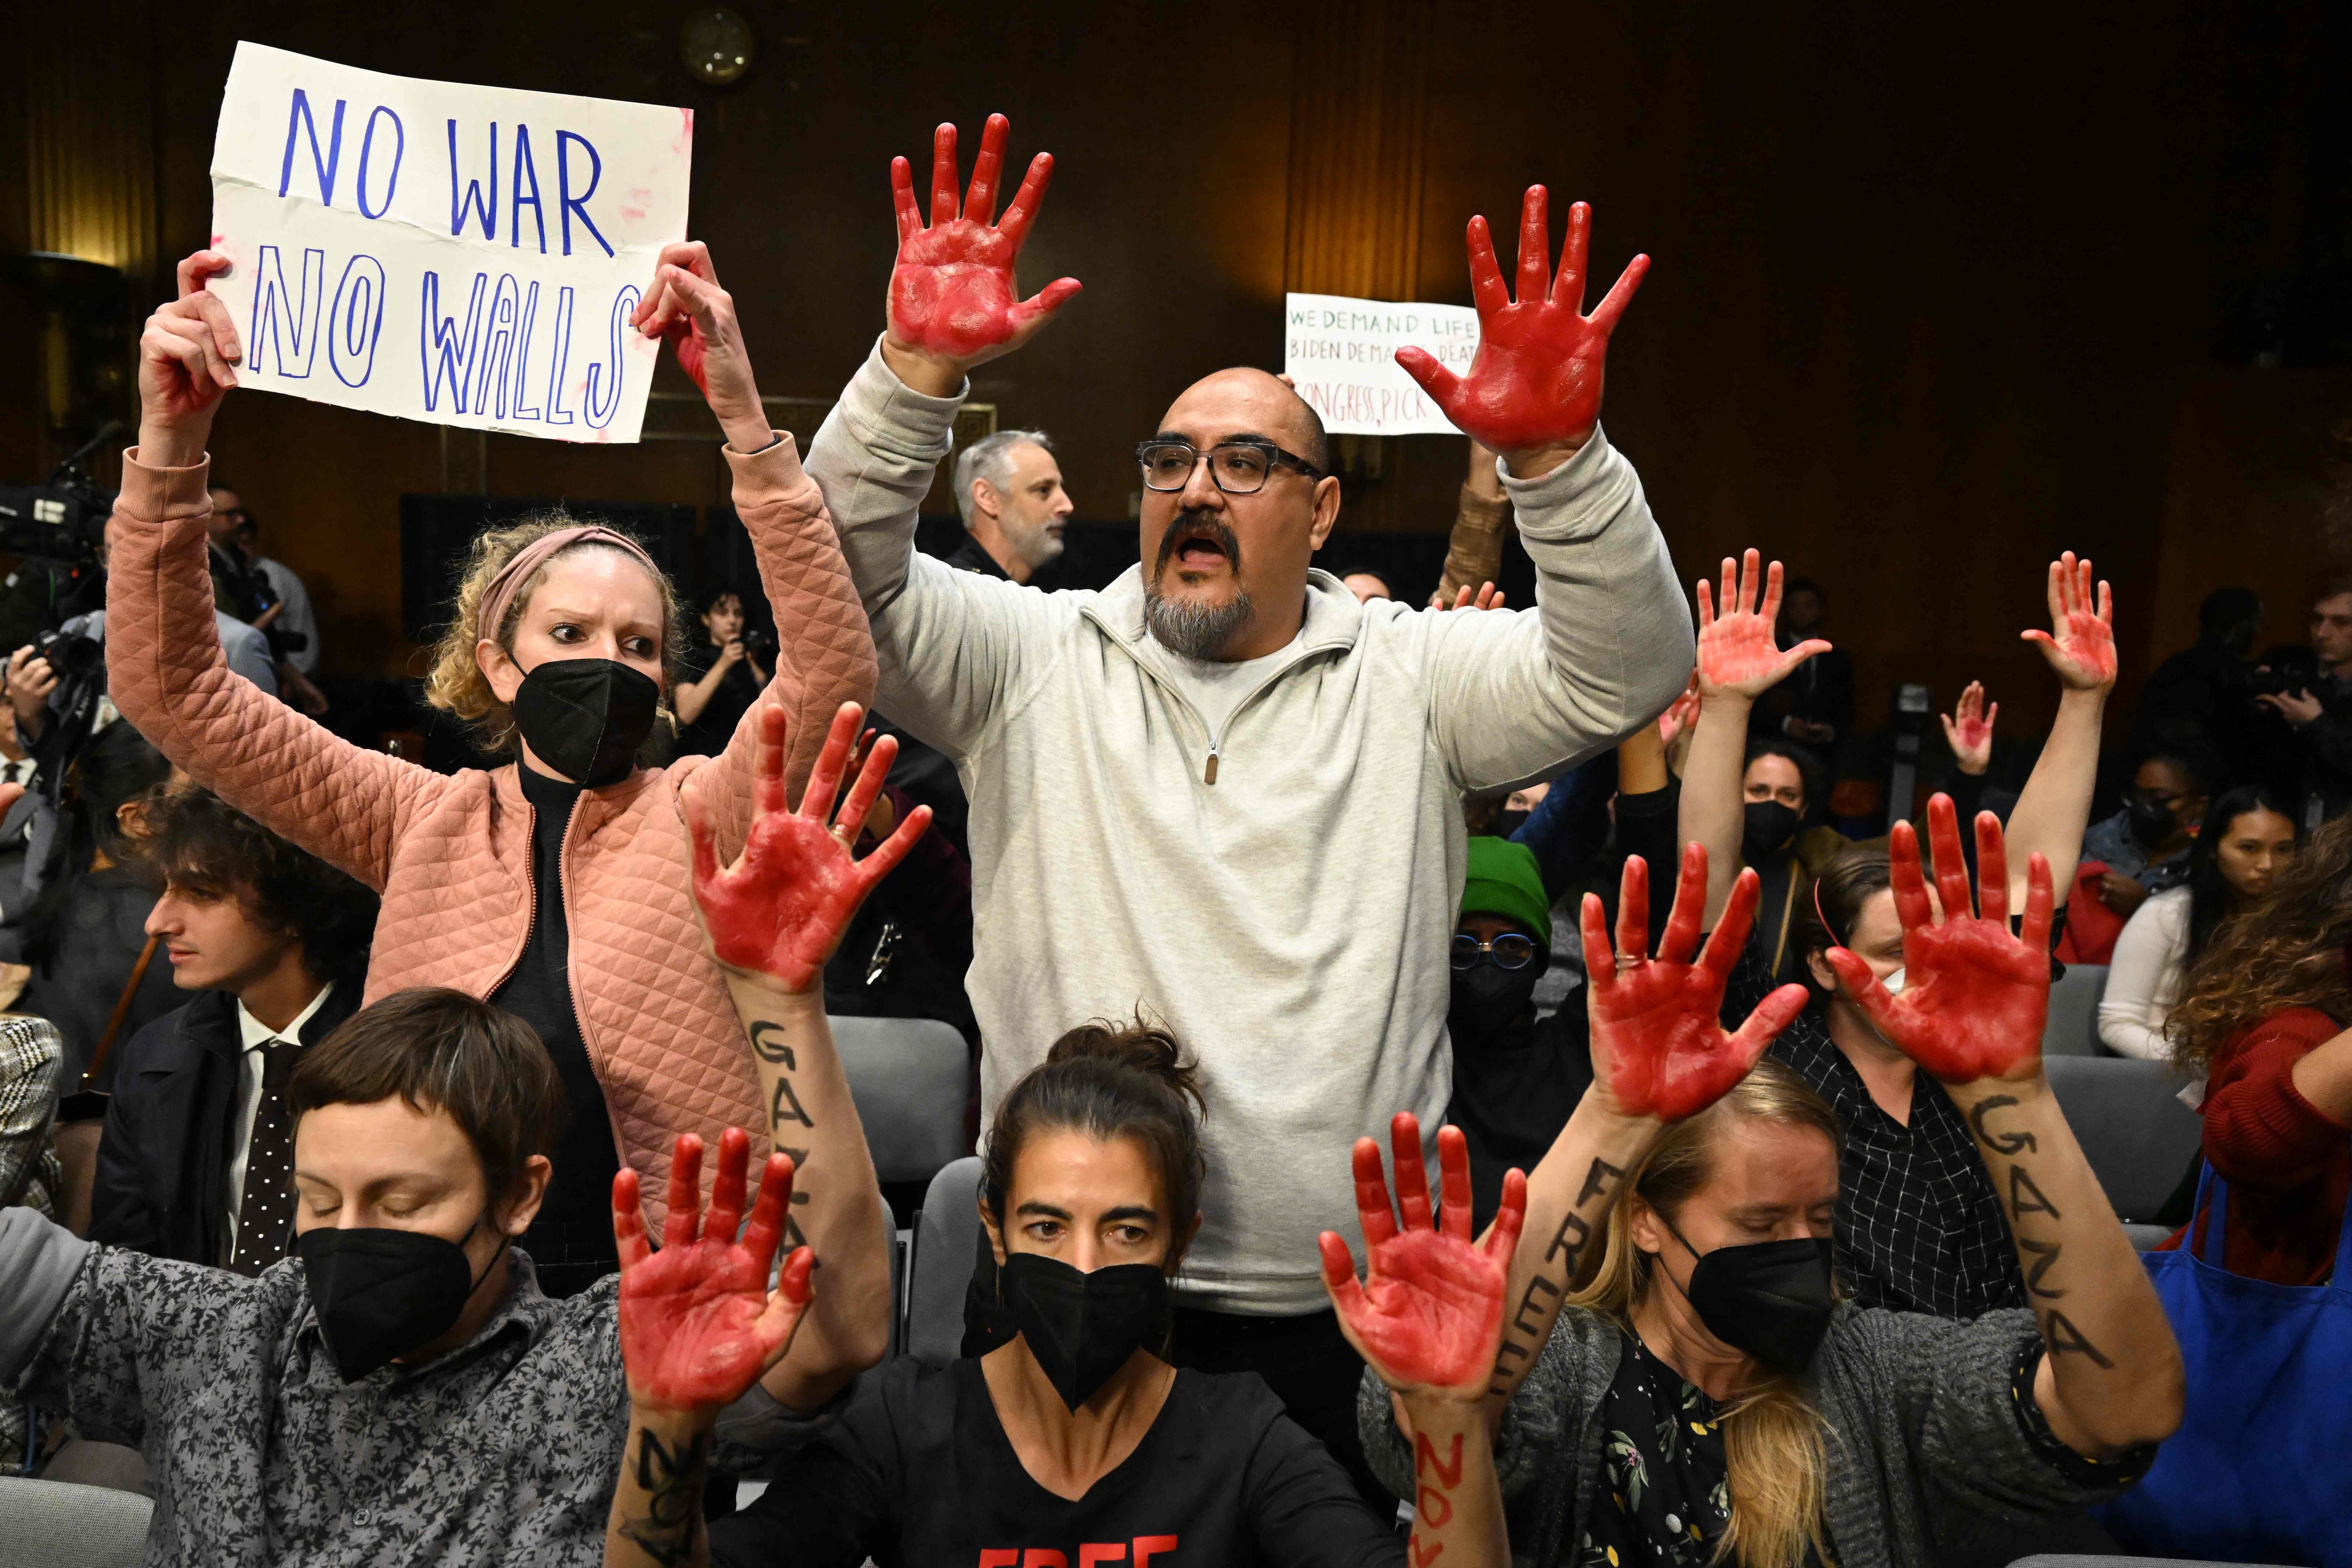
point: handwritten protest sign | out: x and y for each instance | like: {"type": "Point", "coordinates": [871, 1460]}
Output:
{"type": "Point", "coordinates": [461, 255]}
{"type": "Point", "coordinates": [1342, 354]}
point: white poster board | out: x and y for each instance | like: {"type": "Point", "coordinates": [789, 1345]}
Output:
{"type": "Point", "coordinates": [459, 255]}
{"type": "Point", "coordinates": [1342, 354]}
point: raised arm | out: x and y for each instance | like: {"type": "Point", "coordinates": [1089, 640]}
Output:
{"type": "Point", "coordinates": [1659, 1055]}
{"type": "Point", "coordinates": [774, 917]}
{"type": "Point", "coordinates": [947, 639]}
{"type": "Point", "coordinates": [1970, 1012]}
{"type": "Point", "coordinates": [1513, 698]}
{"type": "Point", "coordinates": [1738, 661]}
{"type": "Point", "coordinates": [698, 1326]}
{"type": "Point", "coordinates": [828, 653]}
{"type": "Point", "coordinates": [1427, 1318]}
{"type": "Point", "coordinates": [2055, 806]}
{"type": "Point", "coordinates": [1474, 550]}
{"type": "Point", "coordinates": [165, 667]}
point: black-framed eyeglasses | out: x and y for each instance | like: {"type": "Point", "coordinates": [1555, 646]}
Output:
{"type": "Point", "coordinates": [1509, 951]}
{"type": "Point", "coordinates": [1239, 467]}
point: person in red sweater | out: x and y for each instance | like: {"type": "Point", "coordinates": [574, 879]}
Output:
{"type": "Point", "coordinates": [2264, 1016]}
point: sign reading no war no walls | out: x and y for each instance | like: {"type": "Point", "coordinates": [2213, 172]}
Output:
{"type": "Point", "coordinates": [462, 255]}
{"type": "Point", "coordinates": [1342, 354]}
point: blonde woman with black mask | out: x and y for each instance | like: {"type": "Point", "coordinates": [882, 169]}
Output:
{"type": "Point", "coordinates": [1680, 1383]}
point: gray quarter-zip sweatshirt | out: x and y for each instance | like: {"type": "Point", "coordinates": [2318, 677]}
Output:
{"type": "Point", "coordinates": [1286, 910]}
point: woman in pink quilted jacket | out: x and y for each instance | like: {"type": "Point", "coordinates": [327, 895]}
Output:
{"type": "Point", "coordinates": [557, 884]}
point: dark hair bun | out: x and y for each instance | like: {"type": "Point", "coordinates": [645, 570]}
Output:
{"type": "Point", "coordinates": [1139, 1045]}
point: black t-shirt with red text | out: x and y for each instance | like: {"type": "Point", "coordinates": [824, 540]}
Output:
{"type": "Point", "coordinates": [919, 1473]}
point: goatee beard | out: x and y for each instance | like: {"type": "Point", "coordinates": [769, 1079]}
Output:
{"type": "Point", "coordinates": [1196, 631]}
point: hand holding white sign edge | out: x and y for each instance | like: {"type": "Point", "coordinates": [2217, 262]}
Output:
{"type": "Point", "coordinates": [460, 255]}
{"type": "Point", "coordinates": [1340, 354]}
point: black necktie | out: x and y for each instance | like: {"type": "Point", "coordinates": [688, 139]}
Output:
{"type": "Point", "coordinates": [265, 1216]}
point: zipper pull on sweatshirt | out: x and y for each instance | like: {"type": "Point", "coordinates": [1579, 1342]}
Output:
{"type": "Point", "coordinates": [1209, 774]}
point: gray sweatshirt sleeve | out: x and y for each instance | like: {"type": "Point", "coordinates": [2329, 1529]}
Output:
{"type": "Point", "coordinates": [1515, 696]}
{"type": "Point", "coordinates": [949, 642]}
{"type": "Point", "coordinates": [38, 1261]}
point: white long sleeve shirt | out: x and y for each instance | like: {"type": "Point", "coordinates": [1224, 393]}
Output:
{"type": "Point", "coordinates": [2143, 977]}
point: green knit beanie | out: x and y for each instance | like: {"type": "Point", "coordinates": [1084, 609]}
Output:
{"type": "Point", "coordinates": [1502, 879]}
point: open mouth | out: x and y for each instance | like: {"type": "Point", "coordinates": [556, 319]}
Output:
{"type": "Point", "coordinates": [1198, 545]}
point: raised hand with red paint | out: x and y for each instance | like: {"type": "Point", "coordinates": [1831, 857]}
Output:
{"type": "Point", "coordinates": [1659, 1048]}
{"type": "Point", "coordinates": [1974, 997]}
{"type": "Point", "coordinates": [953, 301]}
{"type": "Point", "coordinates": [686, 305]}
{"type": "Point", "coordinates": [1968, 729]}
{"type": "Point", "coordinates": [780, 910]}
{"type": "Point", "coordinates": [1427, 1317]}
{"type": "Point", "coordinates": [2084, 650]}
{"type": "Point", "coordinates": [1680, 714]}
{"type": "Point", "coordinates": [188, 355]}
{"type": "Point", "coordinates": [698, 1324]}
{"type": "Point", "coordinates": [1533, 391]}
{"type": "Point", "coordinates": [1738, 654]}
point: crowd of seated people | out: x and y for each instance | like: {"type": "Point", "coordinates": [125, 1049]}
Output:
{"type": "Point", "coordinates": [1380, 1163]}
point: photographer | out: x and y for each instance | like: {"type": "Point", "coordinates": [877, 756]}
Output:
{"type": "Point", "coordinates": [2317, 713]}
{"type": "Point", "coordinates": [721, 677]}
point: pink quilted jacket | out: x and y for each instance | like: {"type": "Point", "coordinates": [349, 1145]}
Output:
{"type": "Point", "coordinates": [451, 855]}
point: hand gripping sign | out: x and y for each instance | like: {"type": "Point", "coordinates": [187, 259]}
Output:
{"type": "Point", "coordinates": [460, 255]}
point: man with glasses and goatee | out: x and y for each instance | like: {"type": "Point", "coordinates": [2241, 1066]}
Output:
{"type": "Point", "coordinates": [1221, 788]}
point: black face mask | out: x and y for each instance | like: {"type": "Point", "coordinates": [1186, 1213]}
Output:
{"type": "Point", "coordinates": [586, 717]}
{"type": "Point", "coordinates": [1765, 829]}
{"type": "Point", "coordinates": [1489, 999]}
{"type": "Point", "coordinates": [380, 1292]}
{"type": "Point", "coordinates": [2151, 821]}
{"type": "Point", "coordinates": [1082, 1328]}
{"type": "Point", "coordinates": [1510, 822]}
{"type": "Point", "coordinates": [1771, 1299]}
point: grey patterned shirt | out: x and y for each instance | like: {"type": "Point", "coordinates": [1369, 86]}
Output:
{"type": "Point", "coordinates": [501, 1451]}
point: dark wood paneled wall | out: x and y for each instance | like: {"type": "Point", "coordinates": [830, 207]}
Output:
{"type": "Point", "coordinates": [1937, 291]}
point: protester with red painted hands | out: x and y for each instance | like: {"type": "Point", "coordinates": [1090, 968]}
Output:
{"type": "Point", "coordinates": [555, 886]}
{"type": "Point", "coordinates": [1680, 1381]}
{"type": "Point", "coordinates": [1076, 1440]}
{"type": "Point", "coordinates": [1233, 749]}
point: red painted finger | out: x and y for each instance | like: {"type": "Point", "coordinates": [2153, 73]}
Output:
{"type": "Point", "coordinates": [1992, 870]}
{"type": "Point", "coordinates": [1014, 225]}
{"type": "Point", "coordinates": [706, 849]}
{"type": "Point", "coordinates": [1729, 937]}
{"type": "Point", "coordinates": [1569, 287]}
{"type": "Point", "coordinates": [1952, 866]}
{"type": "Point", "coordinates": [685, 1191]}
{"type": "Point", "coordinates": [864, 787]}
{"type": "Point", "coordinates": [2106, 603]}
{"type": "Point", "coordinates": [1728, 595]}
{"type": "Point", "coordinates": [1705, 604]}
{"type": "Point", "coordinates": [728, 1189]}
{"type": "Point", "coordinates": [1454, 1183]}
{"type": "Point", "coordinates": [1863, 987]}
{"type": "Point", "coordinates": [943, 174]}
{"type": "Point", "coordinates": [1612, 308]}
{"type": "Point", "coordinates": [1486, 290]}
{"type": "Point", "coordinates": [1592, 924]}
{"type": "Point", "coordinates": [1445, 388]}
{"type": "Point", "coordinates": [1680, 939]}
{"type": "Point", "coordinates": [793, 1284]}
{"type": "Point", "coordinates": [1535, 245]}
{"type": "Point", "coordinates": [1340, 1274]}
{"type": "Point", "coordinates": [1909, 882]}
{"type": "Point", "coordinates": [902, 200]}
{"type": "Point", "coordinates": [774, 1202]}
{"type": "Point", "coordinates": [1762, 1027]}
{"type": "Point", "coordinates": [1412, 1174]}
{"type": "Point", "coordinates": [629, 1221]}
{"type": "Point", "coordinates": [1633, 911]}
{"type": "Point", "coordinates": [1503, 1235]}
{"type": "Point", "coordinates": [1372, 1211]}
{"type": "Point", "coordinates": [1751, 579]}
{"type": "Point", "coordinates": [825, 777]}
{"type": "Point", "coordinates": [767, 763]}
{"type": "Point", "coordinates": [2035, 930]}
{"type": "Point", "coordinates": [1801, 653]}
{"type": "Point", "coordinates": [979, 200]}
{"type": "Point", "coordinates": [886, 854]}
{"type": "Point", "coordinates": [1772, 593]}
{"type": "Point", "coordinates": [2057, 593]}
{"type": "Point", "coordinates": [1039, 308]}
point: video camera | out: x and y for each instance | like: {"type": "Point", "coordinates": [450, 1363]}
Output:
{"type": "Point", "coordinates": [64, 520]}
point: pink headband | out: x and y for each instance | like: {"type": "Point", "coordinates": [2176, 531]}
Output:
{"type": "Point", "coordinates": [499, 594]}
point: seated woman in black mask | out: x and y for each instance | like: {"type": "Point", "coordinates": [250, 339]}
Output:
{"type": "Point", "coordinates": [1075, 1443]}
{"type": "Point", "coordinates": [1683, 1385]}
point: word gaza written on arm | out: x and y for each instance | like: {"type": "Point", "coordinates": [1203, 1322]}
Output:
{"type": "Point", "coordinates": [467, 255]}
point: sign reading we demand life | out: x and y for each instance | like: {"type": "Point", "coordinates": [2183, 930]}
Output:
{"type": "Point", "coordinates": [1341, 353]}
{"type": "Point", "coordinates": [461, 255]}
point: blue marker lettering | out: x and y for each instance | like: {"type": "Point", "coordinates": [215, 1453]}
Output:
{"type": "Point", "coordinates": [285, 326]}
{"type": "Point", "coordinates": [471, 200]}
{"type": "Point", "coordinates": [522, 356]}
{"type": "Point", "coordinates": [559, 364]}
{"type": "Point", "coordinates": [448, 355]}
{"type": "Point", "coordinates": [497, 349]}
{"type": "Point", "coordinates": [596, 410]}
{"type": "Point", "coordinates": [300, 115]}
{"type": "Point", "coordinates": [579, 203]}
{"type": "Point", "coordinates": [524, 169]}
{"type": "Point", "coordinates": [358, 318]}
{"type": "Point", "coordinates": [367, 145]}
